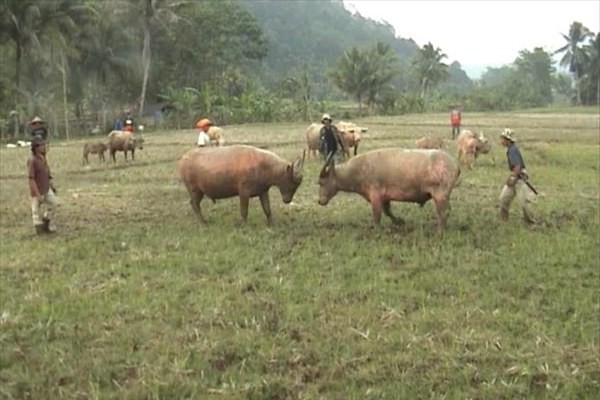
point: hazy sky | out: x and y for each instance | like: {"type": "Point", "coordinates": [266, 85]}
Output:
{"type": "Point", "coordinates": [482, 33]}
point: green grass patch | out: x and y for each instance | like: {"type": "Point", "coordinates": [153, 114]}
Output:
{"type": "Point", "coordinates": [132, 299]}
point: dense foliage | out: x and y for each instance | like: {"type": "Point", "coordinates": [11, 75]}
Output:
{"type": "Point", "coordinates": [79, 63]}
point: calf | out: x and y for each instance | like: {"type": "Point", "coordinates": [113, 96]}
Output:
{"type": "Point", "coordinates": [94, 148]}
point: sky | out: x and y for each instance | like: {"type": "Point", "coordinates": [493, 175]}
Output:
{"type": "Point", "coordinates": [484, 33]}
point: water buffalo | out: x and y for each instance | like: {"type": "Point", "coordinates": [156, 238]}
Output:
{"type": "Point", "coordinates": [243, 171]}
{"type": "Point", "coordinates": [428, 142]}
{"type": "Point", "coordinates": [124, 141]}
{"type": "Point", "coordinates": [470, 145]}
{"type": "Point", "coordinates": [94, 148]}
{"type": "Point", "coordinates": [394, 174]}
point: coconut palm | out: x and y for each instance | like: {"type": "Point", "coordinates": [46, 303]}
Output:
{"type": "Point", "coordinates": [429, 67]}
{"type": "Point", "coordinates": [574, 55]}
{"type": "Point", "coordinates": [352, 74]}
{"type": "Point", "coordinates": [384, 65]}
{"type": "Point", "coordinates": [154, 14]}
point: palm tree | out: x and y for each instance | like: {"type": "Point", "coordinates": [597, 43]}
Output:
{"type": "Point", "coordinates": [353, 74]}
{"type": "Point", "coordinates": [154, 14]}
{"type": "Point", "coordinates": [593, 70]}
{"type": "Point", "coordinates": [575, 56]}
{"type": "Point", "coordinates": [385, 69]}
{"type": "Point", "coordinates": [19, 23]}
{"type": "Point", "coordinates": [429, 67]}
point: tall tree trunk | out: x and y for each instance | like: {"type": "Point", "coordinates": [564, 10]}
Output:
{"type": "Point", "coordinates": [18, 54]}
{"type": "Point", "coordinates": [146, 65]}
{"type": "Point", "coordinates": [65, 103]}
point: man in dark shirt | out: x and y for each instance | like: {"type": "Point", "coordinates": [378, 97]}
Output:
{"type": "Point", "coordinates": [38, 127]}
{"type": "Point", "coordinates": [331, 140]}
{"type": "Point", "coordinates": [516, 183]}
{"type": "Point", "coordinates": [41, 188]}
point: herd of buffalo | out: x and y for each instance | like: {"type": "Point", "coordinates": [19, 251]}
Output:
{"type": "Point", "coordinates": [380, 176]}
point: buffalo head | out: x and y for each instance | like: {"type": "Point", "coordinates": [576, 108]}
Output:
{"type": "Point", "coordinates": [327, 182]}
{"type": "Point", "coordinates": [293, 179]}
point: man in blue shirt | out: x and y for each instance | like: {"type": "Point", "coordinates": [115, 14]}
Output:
{"type": "Point", "coordinates": [516, 183]}
{"type": "Point", "coordinates": [331, 140]}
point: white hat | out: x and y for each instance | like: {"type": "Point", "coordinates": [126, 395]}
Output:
{"type": "Point", "coordinates": [508, 134]}
{"type": "Point", "coordinates": [326, 116]}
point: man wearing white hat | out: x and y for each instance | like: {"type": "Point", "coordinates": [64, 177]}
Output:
{"type": "Point", "coordinates": [38, 127]}
{"type": "Point", "coordinates": [516, 183]}
{"type": "Point", "coordinates": [331, 140]}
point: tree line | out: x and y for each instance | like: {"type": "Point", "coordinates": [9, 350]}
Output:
{"type": "Point", "coordinates": [80, 63]}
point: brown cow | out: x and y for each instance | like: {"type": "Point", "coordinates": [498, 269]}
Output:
{"type": "Point", "coordinates": [470, 145]}
{"type": "Point", "coordinates": [215, 133]}
{"type": "Point", "coordinates": [349, 133]}
{"type": "Point", "coordinates": [124, 141]}
{"type": "Point", "coordinates": [94, 148]}
{"type": "Point", "coordinates": [428, 142]}
{"type": "Point", "coordinates": [394, 174]}
{"type": "Point", "coordinates": [243, 171]}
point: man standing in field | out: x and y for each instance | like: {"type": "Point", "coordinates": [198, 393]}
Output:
{"type": "Point", "coordinates": [455, 119]}
{"type": "Point", "coordinates": [330, 139]}
{"type": "Point", "coordinates": [203, 139]}
{"type": "Point", "coordinates": [37, 127]}
{"type": "Point", "coordinates": [41, 188]}
{"type": "Point", "coordinates": [516, 183]}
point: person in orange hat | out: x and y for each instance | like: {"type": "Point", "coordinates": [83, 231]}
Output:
{"type": "Point", "coordinates": [203, 125]}
{"type": "Point", "coordinates": [38, 127]}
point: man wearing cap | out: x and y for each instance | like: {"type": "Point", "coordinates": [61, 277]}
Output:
{"type": "Point", "coordinates": [516, 183]}
{"type": "Point", "coordinates": [331, 140]}
{"type": "Point", "coordinates": [203, 125]}
{"type": "Point", "coordinates": [37, 127]}
{"type": "Point", "coordinates": [41, 188]}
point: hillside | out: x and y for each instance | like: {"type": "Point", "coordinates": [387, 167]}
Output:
{"type": "Point", "coordinates": [315, 33]}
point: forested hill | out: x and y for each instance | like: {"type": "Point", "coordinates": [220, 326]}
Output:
{"type": "Point", "coordinates": [315, 33]}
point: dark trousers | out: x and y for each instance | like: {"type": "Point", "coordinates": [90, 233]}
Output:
{"type": "Point", "coordinates": [455, 131]}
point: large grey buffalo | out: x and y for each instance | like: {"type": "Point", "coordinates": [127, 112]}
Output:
{"type": "Point", "coordinates": [394, 174]}
{"type": "Point", "coordinates": [124, 141]}
{"type": "Point", "coordinates": [243, 171]}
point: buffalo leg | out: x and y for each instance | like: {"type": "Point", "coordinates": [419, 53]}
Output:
{"type": "Point", "coordinates": [113, 155]}
{"type": "Point", "coordinates": [376, 207]}
{"type": "Point", "coordinates": [266, 206]}
{"type": "Point", "coordinates": [195, 199]}
{"type": "Point", "coordinates": [244, 201]}
{"type": "Point", "coordinates": [387, 209]}
{"type": "Point", "coordinates": [442, 207]}
{"type": "Point", "coordinates": [132, 154]}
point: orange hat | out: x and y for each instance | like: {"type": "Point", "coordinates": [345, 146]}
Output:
{"type": "Point", "coordinates": [203, 123]}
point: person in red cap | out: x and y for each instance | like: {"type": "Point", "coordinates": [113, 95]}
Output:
{"type": "Point", "coordinates": [38, 127]}
{"type": "Point", "coordinates": [41, 187]}
{"type": "Point", "coordinates": [455, 120]}
{"type": "Point", "coordinates": [203, 125]}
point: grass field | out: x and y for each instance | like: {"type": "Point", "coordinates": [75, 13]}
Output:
{"type": "Point", "coordinates": [132, 299]}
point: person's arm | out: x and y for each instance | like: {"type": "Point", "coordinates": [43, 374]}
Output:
{"type": "Point", "coordinates": [33, 188]}
{"type": "Point", "coordinates": [515, 160]}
